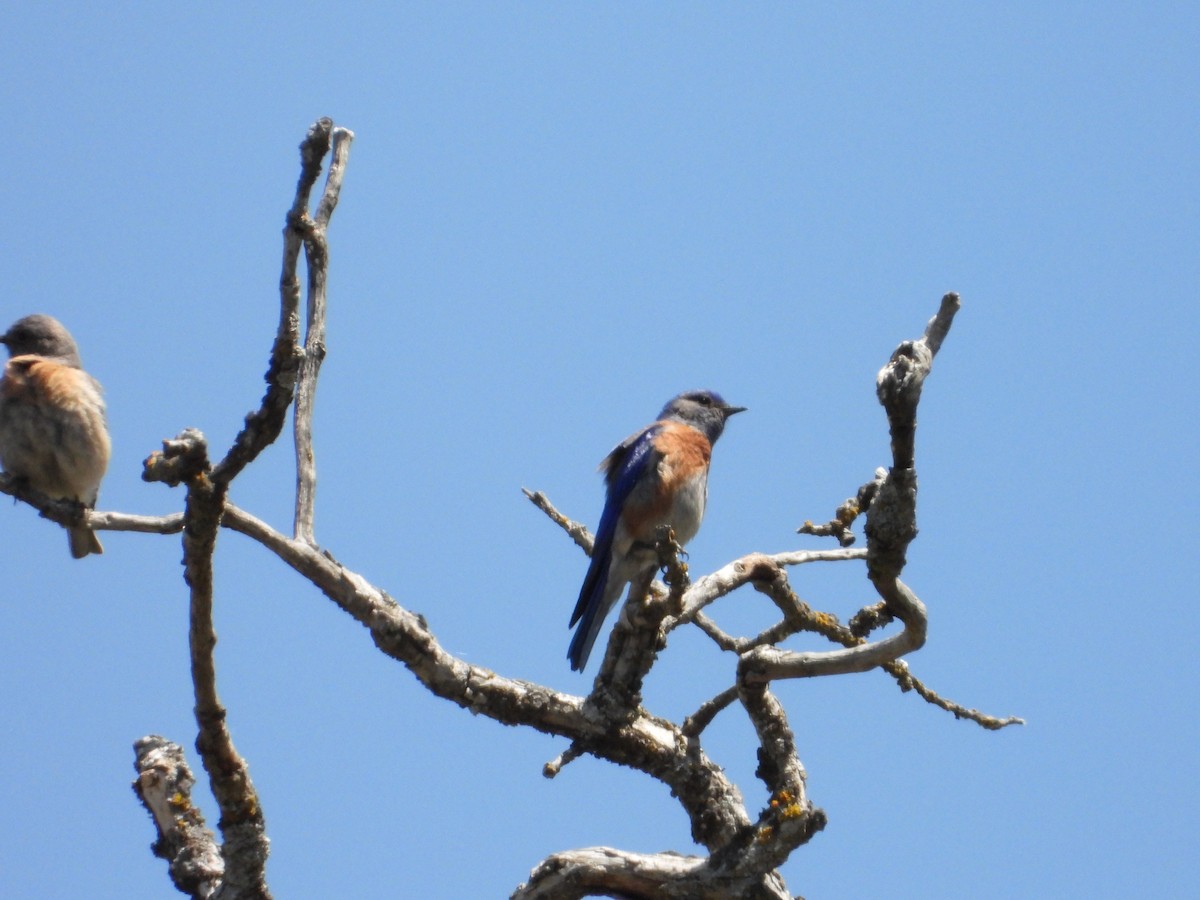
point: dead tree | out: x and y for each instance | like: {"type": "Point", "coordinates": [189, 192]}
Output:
{"type": "Point", "coordinates": [745, 843]}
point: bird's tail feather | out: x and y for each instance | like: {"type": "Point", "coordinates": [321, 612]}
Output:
{"type": "Point", "coordinates": [83, 541]}
{"type": "Point", "coordinates": [596, 596]}
{"type": "Point", "coordinates": [590, 611]}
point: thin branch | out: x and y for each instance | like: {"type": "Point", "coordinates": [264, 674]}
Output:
{"type": "Point", "coordinates": [791, 819]}
{"type": "Point", "coordinates": [871, 618]}
{"type": "Point", "coordinates": [264, 425]}
{"type": "Point", "coordinates": [907, 681]}
{"type": "Point", "coordinates": [843, 518]}
{"type": "Point", "coordinates": [576, 531]}
{"type": "Point", "coordinates": [799, 616]}
{"type": "Point", "coordinates": [838, 527]}
{"type": "Point", "coordinates": [694, 724]}
{"type": "Point", "coordinates": [891, 524]}
{"type": "Point", "coordinates": [67, 513]}
{"type": "Point", "coordinates": [780, 631]}
{"type": "Point", "coordinates": [595, 871]}
{"type": "Point", "coordinates": [770, 663]}
{"type": "Point", "coordinates": [647, 743]}
{"type": "Point", "coordinates": [751, 568]}
{"type": "Point", "coordinates": [341, 137]}
{"type": "Point", "coordinates": [564, 759]}
{"type": "Point", "coordinates": [115, 521]}
{"type": "Point", "coordinates": [726, 642]}
{"type": "Point", "coordinates": [316, 254]}
{"type": "Point", "coordinates": [245, 845]}
{"type": "Point", "coordinates": [164, 785]}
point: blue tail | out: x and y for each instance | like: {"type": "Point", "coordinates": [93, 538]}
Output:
{"type": "Point", "coordinates": [590, 610]}
{"type": "Point", "coordinates": [623, 466]}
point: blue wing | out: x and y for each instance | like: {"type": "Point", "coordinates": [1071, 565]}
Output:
{"type": "Point", "coordinates": [623, 468]}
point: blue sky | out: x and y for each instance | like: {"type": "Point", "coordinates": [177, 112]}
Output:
{"type": "Point", "coordinates": [554, 218]}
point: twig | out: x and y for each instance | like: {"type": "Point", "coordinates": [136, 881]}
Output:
{"type": "Point", "coordinates": [725, 641]}
{"type": "Point", "coordinates": [891, 524]}
{"type": "Point", "coordinates": [67, 513]}
{"type": "Point", "coordinates": [769, 663]}
{"type": "Point", "coordinates": [264, 425]}
{"type": "Point", "coordinates": [312, 232]}
{"type": "Point", "coordinates": [790, 819]}
{"type": "Point", "coordinates": [115, 521]}
{"type": "Point", "coordinates": [577, 531]}
{"type": "Point", "coordinates": [907, 681]}
{"type": "Point", "coordinates": [164, 785]}
{"type": "Point", "coordinates": [564, 759]}
{"type": "Point", "coordinates": [749, 569]}
{"type": "Point", "coordinates": [838, 527]}
{"type": "Point", "coordinates": [604, 871]}
{"type": "Point", "coordinates": [694, 724]}
{"type": "Point", "coordinates": [640, 741]}
{"type": "Point", "coordinates": [245, 846]}
{"type": "Point", "coordinates": [870, 618]}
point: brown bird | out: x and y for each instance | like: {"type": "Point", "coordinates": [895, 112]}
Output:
{"type": "Point", "coordinates": [52, 425]}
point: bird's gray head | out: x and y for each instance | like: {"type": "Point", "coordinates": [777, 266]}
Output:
{"type": "Point", "coordinates": [42, 336]}
{"type": "Point", "coordinates": [703, 410]}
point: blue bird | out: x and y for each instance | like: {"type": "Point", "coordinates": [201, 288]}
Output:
{"type": "Point", "coordinates": [657, 476]}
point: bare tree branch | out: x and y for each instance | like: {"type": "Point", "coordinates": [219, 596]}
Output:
{"type": "Point", "coordinates": [67, 513]}
{"type": "Point", "coordinates": [164, 785]}
{"type": "Point", "coordinates": [641, 741]}
{"type": "Point", "coordinates": [577, 531]}
{"type": "Point", "coordinates": [245, 847]}
{"type": "Point", "coordinates": [185, 461]}
{"type": "Point", "coordinates": [604, 871]}
{"type": "Point", "coordinates": [115, 521]}
{"type": "Point", "coordinates": [899, 669]}
{"type": "Point", "coordinates": [891, 524]}
{"type": "Point", "coordinates": [264, 425]}
{"type": "Point", "coordinates": [694, 724]}
{"type": "Point", "coordinates": [316, 254]}
{"type": "Point", "coordinates": [750, 569]}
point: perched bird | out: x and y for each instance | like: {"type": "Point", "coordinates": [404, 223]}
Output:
{"type": "Point", "coordinates": [658, 476]}
{"type": "Point", "coordinates": [52, 428]}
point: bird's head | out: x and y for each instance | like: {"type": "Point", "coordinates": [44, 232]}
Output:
{"type": "Point", "coordinates": [704, 410]}
{"type": "Point", "coordinates": [40, 335]}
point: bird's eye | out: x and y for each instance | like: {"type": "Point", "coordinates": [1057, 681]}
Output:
{"type": "Point", "coordinates": [705, 400]}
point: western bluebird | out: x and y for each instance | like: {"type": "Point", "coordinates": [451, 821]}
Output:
{"type": "Point", "coordinates": [658, 476]}
{"type": "Point", "coordinates": [52, 429]}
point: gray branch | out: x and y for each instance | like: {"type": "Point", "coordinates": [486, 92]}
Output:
{"type": "Point", "coordinates": [605, 871]}
{"type": "Point", "coordinates": [245, 846]}
{"type": "Point", "coordinates": [164, 785]}
{"type": "Point", "coordinates": [638, 740]}
{"type": "Point", "coordinates": [264, 425]}
{"type": "Point", "coordinates": [891, 525]}
{"type": "Point", "coordinates": [312, 232]}
{"type": "Point", "coordinates": [184, 461]}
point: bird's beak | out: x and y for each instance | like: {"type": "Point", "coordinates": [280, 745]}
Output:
{"type": "Point", "coordinates": [732, 410]}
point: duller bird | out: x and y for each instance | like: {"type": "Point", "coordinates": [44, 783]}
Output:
{"type": "Point", "coordinates": [658, 476]}
{"type": "Point", "coordinates": [52, 427]}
